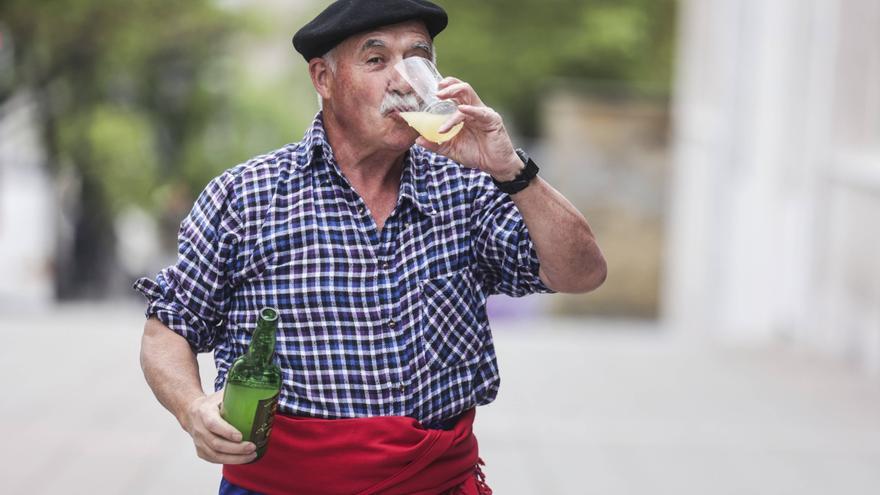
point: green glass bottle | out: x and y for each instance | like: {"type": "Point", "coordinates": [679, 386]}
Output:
{"type": "Point", "coordinates": [250, 396]}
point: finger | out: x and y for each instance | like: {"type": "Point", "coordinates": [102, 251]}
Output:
{"type": "Point", "coordinates": [220, 458]}
{"type": "Point", "coordinates": [237, 459]}
{"type": "Point", "coordinates": [447, 81]}
{"type": "Point", "coordinates": [453, 121]}
{"type": "Point", "coordinates": [216, 425]}
{"type": "Point", "coordinates": [483, 114]}
{"type": "Point", "coordinates": [461, 91]}
{"type": "Point", "coordinates": [452, 89]}
{"type": "Point", "coordinates": [223, 446]}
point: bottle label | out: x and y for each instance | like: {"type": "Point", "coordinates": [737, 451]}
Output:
{"type": "Point", "coordinates": [263, 423]}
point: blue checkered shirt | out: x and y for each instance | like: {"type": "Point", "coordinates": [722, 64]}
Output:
{"type": "Point", "coordinates": [372, 323]}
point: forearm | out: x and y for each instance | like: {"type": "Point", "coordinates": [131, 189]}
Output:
{"type": "Point", "coordinates": [570, 258]}
{"type": "Point", "coordinates": [171, 369]}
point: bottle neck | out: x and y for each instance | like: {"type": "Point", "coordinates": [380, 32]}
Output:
{"type": "Point", "coordinates": [263, 342]}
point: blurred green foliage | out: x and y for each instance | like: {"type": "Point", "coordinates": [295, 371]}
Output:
{"type": "Point", "coordinates": [146, 101]}
{"type": "Point", "coordinates": [118, 85]}
{"type": "Point", "coordinates": [123, 90]}
{"type": "Point", "coordinates": [510, 50]}
{"type": "Point", "coordinates": [140, 94]}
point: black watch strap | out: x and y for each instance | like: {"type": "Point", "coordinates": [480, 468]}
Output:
{"type": "Point", "coordinates": [522, 180]}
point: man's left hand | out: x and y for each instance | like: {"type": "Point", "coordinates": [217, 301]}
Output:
{"type": "Point", "coordinates": [483, 143]}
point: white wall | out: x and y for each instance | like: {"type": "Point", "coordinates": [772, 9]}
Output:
{"type": "Point", "coordinates": [27, 211]}
{"type": "Point", "coordinates": [777, 119]}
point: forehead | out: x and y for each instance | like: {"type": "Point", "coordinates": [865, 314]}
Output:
{"type": "Point", "coordinates": [404, 33]}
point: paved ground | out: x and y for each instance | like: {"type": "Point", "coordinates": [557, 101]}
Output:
{"type": "Point", "coordinates": [585, 408]}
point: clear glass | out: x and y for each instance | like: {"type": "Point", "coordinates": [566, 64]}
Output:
{"type": "Point", "coordinates": [423, 77]}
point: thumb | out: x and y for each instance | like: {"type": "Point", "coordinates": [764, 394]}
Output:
{"type": "Point", "coordinates": [216, 398]}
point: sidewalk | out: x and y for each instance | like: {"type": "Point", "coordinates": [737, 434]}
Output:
{"type": "Point", "coordinates": [585, 408]}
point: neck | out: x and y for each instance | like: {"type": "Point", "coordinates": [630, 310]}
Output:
{"type": "Point", "coordinates": [263, 342]}
{"type": "Point", "coordinates": [367, 166]}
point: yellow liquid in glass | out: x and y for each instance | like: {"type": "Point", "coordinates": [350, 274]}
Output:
{"type": "Point", "coordinates": [428, 123]}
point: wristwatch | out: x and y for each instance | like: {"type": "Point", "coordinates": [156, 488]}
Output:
{"type": "Point", "coordinates": [522, 180]}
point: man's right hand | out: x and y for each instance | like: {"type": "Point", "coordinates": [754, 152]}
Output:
{"type": "Point", "coordinates": [216, 440]}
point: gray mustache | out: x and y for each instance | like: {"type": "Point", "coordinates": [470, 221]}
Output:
{"type": "Point", "coordinates": [402, 103]}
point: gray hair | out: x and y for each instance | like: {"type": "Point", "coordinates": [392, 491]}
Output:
{"type": "Point", "coordinates": [330, 60]}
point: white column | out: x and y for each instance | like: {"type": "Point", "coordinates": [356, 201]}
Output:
{"type": "Point", "coordinates": [741, 187]}
{"type": "Point", "coordinates": [27, 210]}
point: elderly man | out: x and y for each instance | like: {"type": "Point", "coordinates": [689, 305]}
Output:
{"type": "Point", "coordinates": [379, 249]}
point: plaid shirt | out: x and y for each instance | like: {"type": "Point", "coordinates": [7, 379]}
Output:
{"type": "Point", "coordinates": [372, 323]}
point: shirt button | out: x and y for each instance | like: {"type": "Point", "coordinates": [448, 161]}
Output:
{"type": "Point", "coordinates": [403, 389]}
{"type": "Point", "coordinates": [361, 209]}
{"type": "Point", "coordinates": [392, 324]}
{"type": "Point", "coordinates": [385, 265]}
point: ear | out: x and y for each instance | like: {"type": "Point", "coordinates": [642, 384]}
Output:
{"type": "Point", "coordinates": [322, 77]}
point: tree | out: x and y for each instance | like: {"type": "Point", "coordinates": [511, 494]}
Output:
{"type": "Point", "coordinates": [144, 103]}
{"type": "Point", "coordinates": [121, 89]}
{"type": "Point", "coordinates": [510, 49]}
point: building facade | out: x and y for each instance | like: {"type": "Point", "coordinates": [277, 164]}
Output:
{"type": "Point", "coordinates": [775, 188]}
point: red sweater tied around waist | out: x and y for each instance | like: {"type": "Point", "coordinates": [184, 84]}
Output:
{"type": "Point", "coordinates": [386, 455]}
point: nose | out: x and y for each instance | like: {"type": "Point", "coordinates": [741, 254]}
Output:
{"type": "Point", "coordinates": [397, 84]}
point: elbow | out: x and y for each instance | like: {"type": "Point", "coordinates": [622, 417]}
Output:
{"type": "Point", "coordinates": [599, 274]}
{"type": "Point", "coordinates": [589, 277]}
{"type": "Point", "coordinates": [593, 268]}
{"type": "Point", "coordinates": [594, 275]}
{"type": "Point", "coordinates": [598, 268]}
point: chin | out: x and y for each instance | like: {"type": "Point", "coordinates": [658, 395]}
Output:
{"type": "Point", "coordinates": [400, 136]}
{"type": "Point", "coordinates": [401, 143]}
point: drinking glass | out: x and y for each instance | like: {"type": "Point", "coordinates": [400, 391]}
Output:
{"type": "Point", "coordinates": [423, 77]}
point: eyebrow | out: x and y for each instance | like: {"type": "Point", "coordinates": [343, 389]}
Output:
{"type": "Point", "coordinates": [425, 47]}
{"type": "Point", "coordinates": [372, 43]}
{"type": "Point", "coordinates": [376, 43]}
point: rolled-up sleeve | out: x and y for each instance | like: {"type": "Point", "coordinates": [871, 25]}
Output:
{"type": "Point", "coordinates": [505, 255]}
{"type": "Point", "coordinates": [192, 296]}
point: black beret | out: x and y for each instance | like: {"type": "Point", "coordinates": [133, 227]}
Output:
{"type": "Point", "coordinates": [344, 18]}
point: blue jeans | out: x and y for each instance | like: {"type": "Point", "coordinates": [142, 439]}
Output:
{"type": "Point", "coordinates": [227, 488]}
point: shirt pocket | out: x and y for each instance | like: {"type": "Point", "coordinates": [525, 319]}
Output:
{"type": "Point", "coordinates": [450, 333]}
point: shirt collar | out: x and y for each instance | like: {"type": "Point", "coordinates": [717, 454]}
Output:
{"type": "Point", "coordinates": [413, 183]}
{"type": "Point", "coordinates": [314, 138]}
